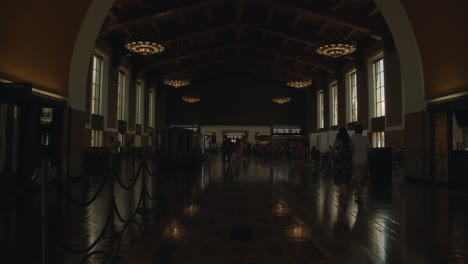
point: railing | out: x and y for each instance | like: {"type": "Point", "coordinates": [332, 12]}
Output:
{"type": "Point", "coordinates": [128, 172]}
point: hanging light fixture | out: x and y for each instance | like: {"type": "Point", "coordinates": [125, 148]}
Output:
{"type": "Point", "coordinates": [299, 83]}
{"type": "Point", "coordinates": [191, 99]}
{"type": "Point", "coordinates": [144, 45]}
{"type": "Point", "coordinates": [281, 99]}
{"type": "Point", "coordinates": [335, 46]}
{"type": "Point", "coordinates": [176, 82]}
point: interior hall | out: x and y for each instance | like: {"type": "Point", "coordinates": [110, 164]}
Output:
{"type": "Point", "coordinates": [233, 131]}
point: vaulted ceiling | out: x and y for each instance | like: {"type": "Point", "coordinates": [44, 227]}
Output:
{"type": "Point", "coordinates": [272, 38]}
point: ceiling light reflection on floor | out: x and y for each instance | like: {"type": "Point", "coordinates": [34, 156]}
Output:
{"type": "Point", "coordinates": [174, 231]}
{"type": "Point", "coordinates": [298, 231]}
{"type": "Point", "coordinates": [281, 208]}
{"type": "Point", "coordinates": [192, 210]}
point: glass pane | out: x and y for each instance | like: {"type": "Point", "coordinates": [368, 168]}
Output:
{"type": "Point", "coordinates": [94, 63]}
{"type": "Point", "coordinates": [383, 108]}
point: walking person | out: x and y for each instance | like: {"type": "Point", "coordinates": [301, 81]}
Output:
{"type": "Point", "coordinates": [226, 148]}
{"type": "Point", "coordinates": [359, 148]}
{"type": "Point", "coordinates": [343, 166]}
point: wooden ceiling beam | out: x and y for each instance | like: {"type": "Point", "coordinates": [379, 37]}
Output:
{"type": "Point", "coordinates": [193, 34]}
{"type": "Point", "coordinates": [350, 34]}
{"type": "Point", "coordinates": [288, 71]}
{"type": "Point", "coordinates": [322, 27]}
{"type": "Point", "coordinates": [122, 28]}
{"type": "Point", "coordinates": [125, 30]}
{"type": "Point", "coordinates": [209, 14]}
{"type": "Point", "coordinates": [241, 68]}
{"type": "Point", "coordinates": [372, 13]}
{"type": "Point", "coordinates": [304, 52]}
{"type": "Point", "coordinates": [269, 16]}
{"type": "Point", "coordinates": [188, 55]}
{"type": "Point", "coordinates": [140, 4]}
{"type": "Point", "coordinates": [277, 60]}
{"type": "Point", "coordinates": [233, 60]}
{"type": "Point", "coordinates": [213, 36]}
{"type": "Point", "coordinates": [253, 71]}
{"type": "Point", "coordinates": [282, 35]}
{"type": "Point", "coordinates": [322, 16]}
{"type": "Point", "coordinates": [296, 20]}
{"type": "Point", "coordinates": [240, 8]}
{"type": "Point", "coordinates": [200, 66]}
{"type": "Point", "coordinates": [155, 26]}
{"type": "Point", "coordinates": [157, 14]}
{"type": "Point", "coordinates": [310, 44]}
{"type": "Point", "coordinates": [275, 53]}
{"type": "Point", "coordinates": [181, 17]}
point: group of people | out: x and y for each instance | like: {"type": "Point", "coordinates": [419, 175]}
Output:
{"type": "Point", "coordinates": [348, 158]}
{"type": "Point", "coordinates": [350, 161]}
{"type": "Point", "coordinates": [232, 151]}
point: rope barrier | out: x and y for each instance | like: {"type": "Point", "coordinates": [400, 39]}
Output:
{"type": "Point", "coordinates": [151, 174]}
{"type": "Point", "coordinates": [80, 203]}
{"type": "Point", "coordinates": [134, 180]}
{"type": "Point", "coordinates": [148, 195]}
{"type": "Point", "coordinates": [18, 193]}
{"type": "Point", "coordinates": [116, 163]}
{"type": "Point", "coordinates": [119, 216]}
{"type": "Point", "coordinates": [90, 247]}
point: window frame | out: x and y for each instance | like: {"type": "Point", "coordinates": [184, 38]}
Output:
{"type": "Point", "coordinates": [378, 77]}
{"type": "Point", "coordinates": [96, 101]}
{"type": "Point", "coordinates": [320, 110]}
{"type": "Point", "coordinates": [378, 139]}
{"type": "Point", "coordinates": [122, 91]}
{"type": "Point", "coordinates": [151, 114]}
{"type": "Point", "coordinates": [139, 102]}
{"type": "Point", "coordinates": [334, 103]}
{"type": "Point", "coordinates": [96, 138]}
{"type": "Point", "coordinates": [352, 96]}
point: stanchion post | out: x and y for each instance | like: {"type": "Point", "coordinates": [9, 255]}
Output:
{"type": "Point", "coordinates": [44, 212]}
{"type": "Point", "coordinates": [112, 198]}
{"type": "Point", "coordinates": [133, 164]}
{"type": "Point", "coordinates": [143, 175]}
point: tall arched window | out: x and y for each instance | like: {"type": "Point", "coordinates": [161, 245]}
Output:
{"type": "Point", "coordinates": [320, 110]}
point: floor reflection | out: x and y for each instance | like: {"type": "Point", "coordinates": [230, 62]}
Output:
{"type": "Point", "coordinates": [283, 211]}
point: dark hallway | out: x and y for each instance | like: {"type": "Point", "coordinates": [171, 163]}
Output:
{"type": "Point", "coordinates": [346, 122]}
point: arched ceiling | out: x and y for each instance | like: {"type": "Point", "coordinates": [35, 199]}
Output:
{"type": "Point", "coordinates": [272, 38]}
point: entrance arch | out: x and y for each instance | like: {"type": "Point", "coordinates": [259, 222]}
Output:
{"type": "Point", "coordinates": [412, 77]}
{"type": "Point", "coordinates": [393, 12]}
{"type": "Point", "coordinates": [84, 44]}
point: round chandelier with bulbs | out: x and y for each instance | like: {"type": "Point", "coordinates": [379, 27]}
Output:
{"type": "Point", "coordinates": [176, 81]}
{"type": "Point", "coordinates": [299, 83]}
{"type": "Point", "coordinates": [336, 46]}
{"type": "Point", "coordinates": [191, 99]}
{"type": "Point", "coordinates": [144, 45]}
{"type": "Point", "coordinates": [281, 99]}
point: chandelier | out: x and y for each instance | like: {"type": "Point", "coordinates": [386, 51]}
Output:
{"type": "Point", "coordinates": [336, 46]}
{"type": "Point", "coordinates": [281, 99]}
{"type": "Point", "coordinates": [191, 99]}
{"type": "Point", "coordinates": [144, 45]}
{"type": "Point", "coordinates": [299, 83]}
{"type": "Point", "coordinates": [176, 82]}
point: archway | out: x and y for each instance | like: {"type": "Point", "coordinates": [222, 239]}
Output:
{"type": "Point", "coordinates": [84, 44]}
{"type": "Point", "coordinates": [393, 12]}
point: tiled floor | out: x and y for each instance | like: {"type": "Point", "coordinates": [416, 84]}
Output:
{"type": "Point", "coordinates": [284, 211]}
